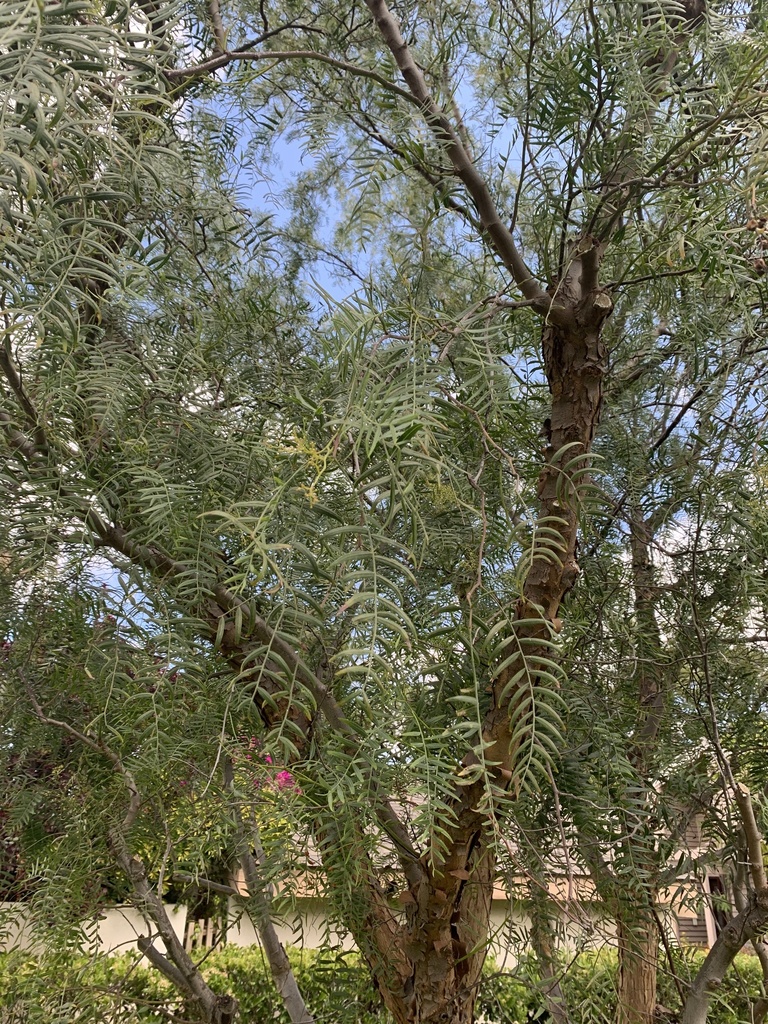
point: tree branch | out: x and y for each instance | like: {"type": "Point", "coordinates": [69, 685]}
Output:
{"type": "Point", "coordinates": [739, 930]}
{"type": "Point", "coordinates": [161, 963]}
{"type": "Point", "coordinates": [16, 438]}
{"type": "Point", "coordinates": [219, 32]}
{"type": "Point", "coordinates": [226, 601]}
{"type": "Point", "coordinates": [12, 375]}
{"type": "Point", "coordinates": [204, 883]}
{"type": "Point", "coordinates": [177, 966]}
{"type": "Point", "coordinates": [259, 906]}
{"type": "Point", "coordinates": [463, 164]}
{"type": "Point", "coordinates": [97, 745]}
{"type": "Point", "coordinates": [277, 57]}
{"type": "Point", "coordinates": [160, 563]}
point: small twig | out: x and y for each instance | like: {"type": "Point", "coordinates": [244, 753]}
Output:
{"type": "Point", "coordinates": [570, 875]}
{"type": "Point", "coordinates": [483, 534]}
{"type": "Point", "coordinates": [622, 283]}
{"type": "Point", "coordinates": [489, 440]}
{"type": "Point", "coordinates": [509, 304]}
{"type": "Point", "coordinates": [99, 747]}
{"type": "Point", "coordinates": [670, 957]}
{"type": "Point", "coordinates": [204, 883]}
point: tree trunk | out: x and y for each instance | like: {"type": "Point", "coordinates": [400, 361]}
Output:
{"type": "Point", "coordinates": [543, 941]}
{"type": "Point", "coordinates": [638, 943]}
{"type": "Point", "coordinates": [445, 943]}
{"type": "Point", "coordinates": [425, 948]}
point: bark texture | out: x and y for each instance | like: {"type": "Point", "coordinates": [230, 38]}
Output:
{"type": "Point", "coordinates": [638, 944]}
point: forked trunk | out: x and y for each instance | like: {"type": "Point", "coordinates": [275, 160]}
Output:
{"type": "Point", "coordinates": [638, 942]}
{"type": "Point", "coordinates": [431, 971]}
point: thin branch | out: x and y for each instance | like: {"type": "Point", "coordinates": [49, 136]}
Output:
{"type": "Point", "coordinates": [752, 834]}
{"type": "Point", "coordinates": [159, 562]}
{"type": "Point", "coordinates": [161, 963]}
{"type": "Point", "coordinates": [204, 883]}
{"type": "Point", "coordinates": [13, 377]}
{"type": "Point", "coordinates": [16, 438]}
{"type": "Point", "coordinates": [219, 32]}
{"type": "Point", "coordinates": [434, 179]}
{"type": "Point", "coordinates": [752, 921]}
{"type": "Point", "coordinates": [622, 283]}
{"type": "Point", "coordinates": [177, 966]}
{"type": "Point", "coordinates": [509, 304]}
{"type": "Point", "coordinates": [260, 909]}
{"type": "Point", "coordinates": [277, 57]}
{"type": "Point", "coordinates": [97, 745]}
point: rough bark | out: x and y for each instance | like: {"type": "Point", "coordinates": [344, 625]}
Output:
{"type": "Point", "coordinates": [638, 945]}
{"type": "Point", "coordinates": [444, 941]}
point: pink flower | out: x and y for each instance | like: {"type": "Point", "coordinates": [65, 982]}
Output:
{"type": "Point", "coordinates": [283, 780]}
{"type": "Point", "coordinates": [268, 759]}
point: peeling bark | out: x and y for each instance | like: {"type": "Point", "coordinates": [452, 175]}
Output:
{"type": "Point", "coordinates": [638, 945]}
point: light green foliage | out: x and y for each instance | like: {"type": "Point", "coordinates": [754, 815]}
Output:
{"type": "Point", "coordinates": [332, 411]}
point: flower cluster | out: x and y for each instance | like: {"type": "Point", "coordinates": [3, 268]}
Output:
{"type": "Point", "coordinates": [262, 769]}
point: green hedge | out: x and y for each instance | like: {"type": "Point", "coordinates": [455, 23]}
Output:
{"type": "Point", "coordinates": [118, 990]}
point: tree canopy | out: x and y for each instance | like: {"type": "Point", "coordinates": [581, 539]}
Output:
{"type": "Point", "coordinates": [383, 405]}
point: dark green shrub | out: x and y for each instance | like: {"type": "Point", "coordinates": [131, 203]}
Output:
{"type": "Point", "coordinates": [338, 990]}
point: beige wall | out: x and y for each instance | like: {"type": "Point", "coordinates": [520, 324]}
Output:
{"type": "Point", "coordinates": [307, 929]}
{"type": "Point", "coordinates": [121, 926]}
{"type": "Point", "coordinates": [117, 928]}
{"type": "Point", "coordinates": [509, 930]}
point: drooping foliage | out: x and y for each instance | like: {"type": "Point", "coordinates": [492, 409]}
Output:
{"type": "Point", "coordinates": [459, 525]}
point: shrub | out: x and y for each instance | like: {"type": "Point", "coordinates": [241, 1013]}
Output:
{"type": "Point", "coordinates": [337, 987]}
